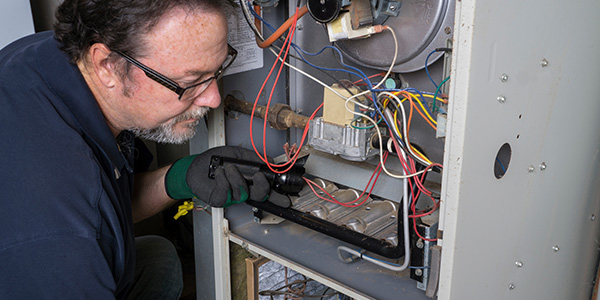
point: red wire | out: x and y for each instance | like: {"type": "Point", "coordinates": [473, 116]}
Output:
{"type": "Point", "coordinates": [286, 47]}
{"type": "Point", "coordinates": [411, 167]}
{"type": "Point", "coordinates": [264, 158]}
{"type": "Point", "coordinates": [419, 235]}
{"type": "Point", "coordinates": [377, 171]}
{"type": "Point", "coordinates": [289, 163]}
{"type": "Point", "coordinates": [436, 204]}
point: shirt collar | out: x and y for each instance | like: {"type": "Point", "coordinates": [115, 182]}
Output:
{"type": "Point", "coordinates": [65, 79]}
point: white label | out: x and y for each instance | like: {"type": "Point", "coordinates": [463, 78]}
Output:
{"type": "Point", "coordinates": [241, 37]}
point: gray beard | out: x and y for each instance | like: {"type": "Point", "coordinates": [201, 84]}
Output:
{"type": "Point", "coordinates": [165, 133]}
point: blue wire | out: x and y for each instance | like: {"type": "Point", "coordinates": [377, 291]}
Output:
{"type": "Point", "coordinates": [260, 18]}
{"type": "Point", "coordinates": [422, 98]}
{"type": "Point", "coordinates": [427, 70]}
{"type": "Point", "coordinates": [364, 77]}
{"type": "Point", "coordinates": [413, 90]}
{"type": "Point", "coordinates": [501, 165]}
{"type": "Point", "coordinates": [299, 51]}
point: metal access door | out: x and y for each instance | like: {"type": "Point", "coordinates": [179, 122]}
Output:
{"type": "Point", "coordinates": [524, 78]}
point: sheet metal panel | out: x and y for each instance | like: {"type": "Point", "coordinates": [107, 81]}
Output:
{"type": "Point", "coordinates": [533, 233]}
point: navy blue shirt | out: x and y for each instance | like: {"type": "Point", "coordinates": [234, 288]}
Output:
{"type": "Point", "coordinates": [65, 188]}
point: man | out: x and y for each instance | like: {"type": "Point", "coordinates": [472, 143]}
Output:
{"type": "Point", "coordinates": [70, 103]}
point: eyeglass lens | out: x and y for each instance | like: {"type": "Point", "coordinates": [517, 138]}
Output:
{"type": "Point", "coordinates": [195, 91]}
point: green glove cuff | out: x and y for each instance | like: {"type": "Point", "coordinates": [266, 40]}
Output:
{"type": "Point", "coordinates": [175, 179]}
{"type": "Point", "coordinates": [230, 201]}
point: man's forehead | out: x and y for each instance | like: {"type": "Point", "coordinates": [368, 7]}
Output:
{"type": "Point", "coordinates": [194, 41]}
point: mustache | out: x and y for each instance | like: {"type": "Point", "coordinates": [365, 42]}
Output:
{"type": "Point", "coordinates": [194, 114]}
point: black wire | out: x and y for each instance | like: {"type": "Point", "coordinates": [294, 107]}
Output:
{"type": "Point", "coordinates": [409, 153]}
{"type": "Point", "coordinates": [392, 134]}
{"type": "Point", "coordinates": [323, 295]}
{"type": "Point", "coordinates": [443, 49]}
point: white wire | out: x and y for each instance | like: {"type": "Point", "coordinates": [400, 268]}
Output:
{"type": "Point", "coordinates": [378, 131]}
{"type": "Point", "coordinates": [384, 77]}
{"type": "Point", "coordinates": [312, 78]}
{"type": "Point", "coordinates": [351, 99]}
{"type": "Point", "coordinates": [388, 113]}
{"type": "Point", "coordinates": [393, 60]}
{"type": "Point", "coordinates": [389, 145]}
{"type": "Point", "coordinates": [246, 11]}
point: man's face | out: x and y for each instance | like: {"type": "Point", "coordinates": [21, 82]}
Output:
{"type": "Point", "coordinates": [187, 47]}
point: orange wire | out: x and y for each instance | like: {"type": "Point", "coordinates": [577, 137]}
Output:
{"type": "Point", "coordinates": [412, 104]}
{"type": "Point", "coordinates": [283, 28]}
{"type": "Point", "coordinates": [419, 111]}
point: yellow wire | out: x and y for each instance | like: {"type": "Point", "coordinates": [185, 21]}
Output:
{"type": "Point", "coordinates": [420, 103]}
{"type": "Point", "coordinates": [411, 146]}
{"type": "Point", "coordinates": [423, 108]}
{"type": "Point", "coordinates": [420, 154]}
{"type": "Point", "coordinates": [438, 98]}
{"type": "Point", "coordinates": [386, 101]}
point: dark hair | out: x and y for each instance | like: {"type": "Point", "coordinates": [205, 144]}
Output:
{"type": "Point", "coordinates": [119, 24]}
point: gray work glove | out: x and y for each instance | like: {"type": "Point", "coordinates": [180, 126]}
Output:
{"type": "Point", "coordinates": [188, 178]}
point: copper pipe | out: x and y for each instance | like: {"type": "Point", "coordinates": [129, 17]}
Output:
{"type": "Point", "coordinates": [280, 116]}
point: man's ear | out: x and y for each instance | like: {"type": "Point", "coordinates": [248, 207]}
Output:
{"type": "Point", "coordinates": [104, 68]}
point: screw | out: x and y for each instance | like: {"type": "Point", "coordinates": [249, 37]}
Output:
{"type": "Point", "coordinates": [511, 286]}
{"type": "Point", "coordinates": [592, 217]}
{"type": "Point", "coordinates": [544, 63]}
{"type": "Point", "coordinates": [555, 248]}
{"type": "Point", "coordinates": [519, 264]}
{"type": "Point", "coordinates": [368, 208]}
{"type": "Point", "coordinates": [448, 30]}
{"type": "Point", "coordinates": [543, 166]}
{"type": "Point", "coordinates": [531, 169]}
{"type": "Point", "coordinates": [504, 77]}
{"type": "Point", "coordinates": [266, 231]}
{"type": "Point", "coordinates": [420, 244]}
{"type": "Point", "coordinates": [393, 7]}
{"type": "Point", "coordinates": [501, 99]}
{"type": "Point", "coordinates": [418, 272]}
{"type": "Point", "coordinates": [254, 209]}
{"type": "Point", "coordinates": [299, 27]}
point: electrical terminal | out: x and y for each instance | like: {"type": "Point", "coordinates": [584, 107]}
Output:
{"type": "Point", "coordinates": [183, 209]}
{"type": "Point", "coordinates": [341, 29]}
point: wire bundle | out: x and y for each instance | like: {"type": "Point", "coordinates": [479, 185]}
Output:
{"type": "Point", "coordinates": [393, 108]}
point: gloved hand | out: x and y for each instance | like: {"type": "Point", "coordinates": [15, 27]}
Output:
{"type": "Point", "coordinates": [188, 178]}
